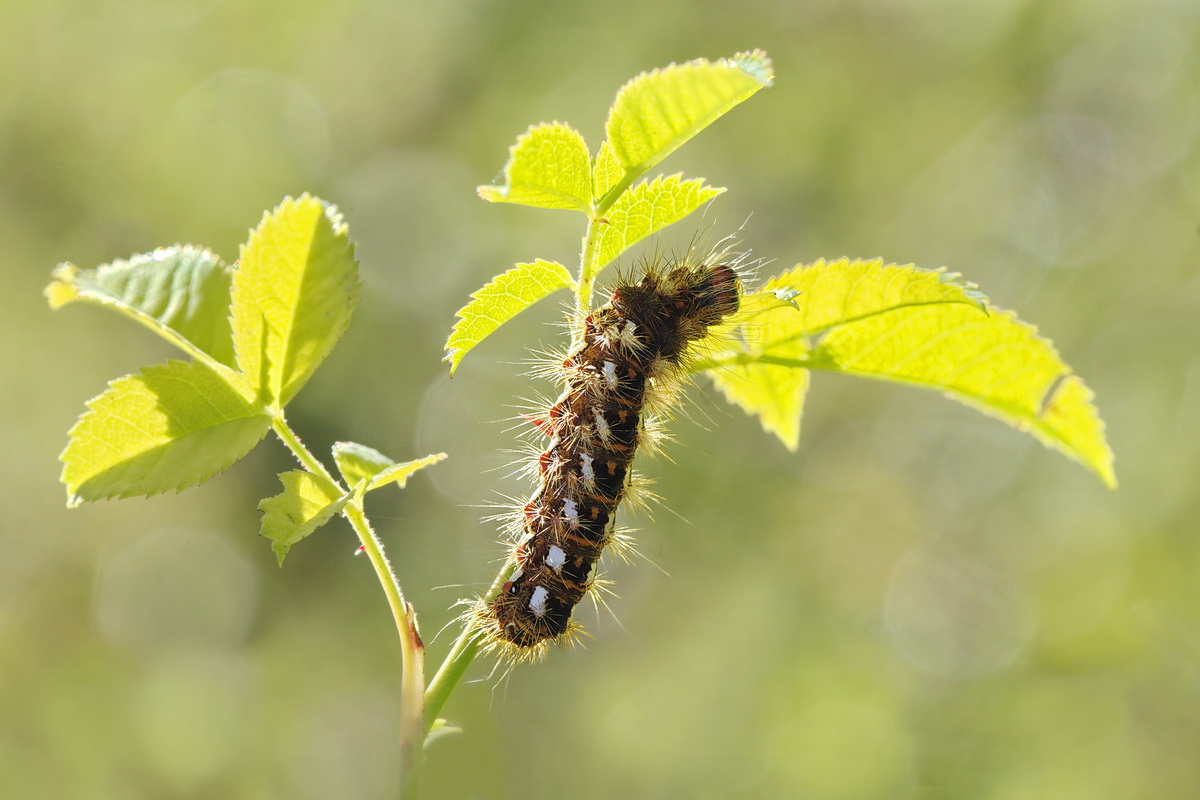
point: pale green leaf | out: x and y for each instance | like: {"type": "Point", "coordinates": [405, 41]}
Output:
{"type": "Point", "coordinates": [180, 292]}
{"type": "Point", "coordinates": [772, 392]}
{"type": "Point", "coordinates": [607, 172]}
{"type": "Point", "coordinates": [548, 167]}
{"type": "Point", "coordinates": [307, 502]}
{"type": "Point", "coordinates": [169, 427]}
{"type": "Point", "coordinates": [643, 210]}
{"type": "Point", "coordinates": [842, 291]}
{"type": "Point", "coordinates": [294, 291]}
{"type": "Point", "coordinates": [992, 361]}
{"type": "Point", "coordinates": [400, 473]}
{"type": "Point", "coordinates": [504, 297]}
{"type": "Point", "coordinates": [656, 112]}
{"type": "Point", "coordinates": [358, 463]}
{"type": "Point", "coordinates": [366, 469]}
{"type": "Point", "coordinates": [904, 324]}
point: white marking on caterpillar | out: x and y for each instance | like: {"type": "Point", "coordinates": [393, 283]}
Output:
{"type": "Point", "coordinates": [628, 335]}
{"type": "Point", "coordinates": [610, 374]}
{"type": "Point", "coordinates": [586, 469]}
{"type": "Point", "coordinates": [556, 558]}
{"type": "Point", "coordinates": [571, 512]}
{"type": "Point", "coordinates": [537, 601]}
{"type": "Point", "coordinates": [602, 429]}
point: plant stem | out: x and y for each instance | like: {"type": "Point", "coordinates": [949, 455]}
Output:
{"type": "Point", "coordinates": [465, 648]}
{"type": "Point", "coordinates": [448, 675]}
{"type": "Point", "coordinates": [583, 289]}
{"type": "Point", "coordinates": [412, 651]}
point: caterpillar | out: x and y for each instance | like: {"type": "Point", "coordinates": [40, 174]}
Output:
{"type": "Point", "coordinates": [627, 352]}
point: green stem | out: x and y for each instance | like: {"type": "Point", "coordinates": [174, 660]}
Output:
{"type": "Point", "coordinates": [587, 277]}
{"type": "Point", "coordinates": [465, 648]}
{"type": "Point", "coordinates": [412, 651]}
{"type": "Point", "coordinates": [307, 460]}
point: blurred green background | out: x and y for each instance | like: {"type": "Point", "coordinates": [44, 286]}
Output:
{"type": "Point", "coordinates": [922, 603]}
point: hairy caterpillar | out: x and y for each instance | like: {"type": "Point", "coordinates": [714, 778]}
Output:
{"type": "Point", "coordinates": [627, 349]}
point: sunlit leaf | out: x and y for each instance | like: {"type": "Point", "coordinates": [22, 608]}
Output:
{"type": "Point", "coordinates": [842, 291]}
{"type": "Point", "coordinates": [400, 473]}
{"type": "Point", "coordinates": [771, 392]}
{"type": "Point", "coordinates": [169, 427]}
{"type": "Point", "coordinates": [367, 466]}
{"type": "Point", "coordinates": [307, 502]}
{"type": "Point", "coordinates": [500, 300]}
{"type": "Point", "coordinates": [294, 292]}
{"type": "Point", "coordinates": [358, 463]}
{"type": "Point", "coordinates": [991, 361]}
{"type": "Point", "coordinates": [643, 210]}
{"type": "Point", "coordinates": [180, 292]}
{"type": "Point", "coordinates": [607, 172]}
{"type": "Point", "coordinates": [548, 167]}
{"type": "Point", "coordinates": [658, 111]}
{"type": "Point", "coordinates": [904, 324]}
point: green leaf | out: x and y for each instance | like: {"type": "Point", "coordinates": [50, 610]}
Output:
{"type": "Point", "coordinates": [548, 167]}
{"type": "Point", "coordinates": [643, 210]}
{"type": "Point", "coordinates": [307, 502]}
{"type": "Point", "coordinates": [500, 300]}
{"type": "Point", "coordinates": [842, 291]}
{"type": "Point", "coordinates": [921, 327]}
{"type": "Point", "coordinates": [180, 292]}
{"type": "Point", "coordinates": [399, 473]}
{"type": "Point", "coordinates": [294, 291]}
{"type": "Point", "coordinates": [607, 172]}
{"type": "Point", "coordinates": [358, 463]}
{"type": "Point", "coordinates": [169, 427]}
{"type": "Point", "coordinates": [656, 112]}
{"type": "Point", "coordinates": [364, 465]}
{"type": "Point", "coordinates": [772, 392]}
{"type": "Point", "coordinates": [993, 362]}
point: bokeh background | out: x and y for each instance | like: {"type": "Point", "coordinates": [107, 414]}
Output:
{"type": "Point", "coordinates": [921, 603]}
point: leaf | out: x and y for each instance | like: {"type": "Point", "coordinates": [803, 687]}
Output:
{"type": "Point", "coordinates": [307, 502]}
{"type": "Point", "coordinates": [169, 427]}
{"type": "Point", "coordinates": [773, 393]}
{"type": "Point", "coordinates": [548, 167]}
{"type": "Point", "coordinates": [504, 297]}
{"type": "Point", "coordinates": [838, 292]}
{"type": "Point", "coordinates": [606, 171]}
{"type": "Point", "coordinates": [360, 464]}
{"type": "Point", "coordinates": [294, 292]}
{"type": "Point", "coordinates": [904, 324]}
{"type": "Point", "coordinates": [656, 112]}
{"type": "Point", "coordinates": [179, 292]}
{"type": "Point", "coordinates": [993, 362]}
{"type": "Point", "coordinates": [399, 473]}
{"type": "Point", "coordinates": [643, 210]}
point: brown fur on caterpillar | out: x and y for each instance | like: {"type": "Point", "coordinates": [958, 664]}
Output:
{"type": "Point", "coordinates": [627, 349]}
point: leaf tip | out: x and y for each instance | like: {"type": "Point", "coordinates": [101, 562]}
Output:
{"type": "Point", "coordinates": [755, 63]}
{"type": "Point", "coordinates": [493, 194]}
{"type": "Point", "coordinates": [453, 357]}
{"type": "Point", "coordinates": [61, 290]}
